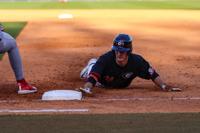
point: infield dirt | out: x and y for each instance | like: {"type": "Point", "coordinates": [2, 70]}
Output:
{"type": "Point", "coordinates": [55, 51]}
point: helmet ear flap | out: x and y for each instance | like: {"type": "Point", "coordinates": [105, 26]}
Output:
{"type": "Point", "coordinates": [130, 51]}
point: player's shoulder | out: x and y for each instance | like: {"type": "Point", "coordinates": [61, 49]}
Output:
{"type": "Point", "coordinates": [136, 57]}
{"type": "Point", "coordinates": [107, 55]}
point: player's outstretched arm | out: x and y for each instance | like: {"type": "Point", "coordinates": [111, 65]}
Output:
{"type": "Point", "coordinates": [163, 86]}
{"type": "Point", "coordinates": [87, 89]}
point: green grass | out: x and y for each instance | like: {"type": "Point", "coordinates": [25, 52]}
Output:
{"type": "Point", "coordinates": [145, 4]}
{"type": "Point", "coordinates": [103, 123]}
{"type": "Point", "coordinates": [13, 28]}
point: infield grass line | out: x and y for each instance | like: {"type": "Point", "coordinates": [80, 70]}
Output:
{"type": "Point", "coordinates": [136, 4]}
{"type": "Point", "coordinates": [102, 123]}
{"type": "Point", "coordinates": [14, 28]}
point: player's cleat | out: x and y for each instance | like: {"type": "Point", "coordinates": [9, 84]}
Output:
{"type": "Point", "coordinates": [86, 70]}
{"type": "Point", "coordinates": [25, 88]}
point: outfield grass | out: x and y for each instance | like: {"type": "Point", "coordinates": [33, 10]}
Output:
{"type": "Point", "coordinates": [104, 123]}
{"type": "Point", "coordinates": [13, 28]}
{"type": "Point", "coordinates": [135, 4]}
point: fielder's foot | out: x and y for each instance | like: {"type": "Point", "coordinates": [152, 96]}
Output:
{"type": "Point", "coordinates": [86, 70]}
{"type": "Point", "coordinates": [25, 88]}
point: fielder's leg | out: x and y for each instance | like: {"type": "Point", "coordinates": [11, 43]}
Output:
{"type": "Point", "coordinates": [8, 44]}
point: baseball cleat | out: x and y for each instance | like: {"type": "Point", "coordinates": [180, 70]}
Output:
{"type": "Point", "coordinates": [25, 88]}
{"type": "Point", "coordinates": [85, 72]}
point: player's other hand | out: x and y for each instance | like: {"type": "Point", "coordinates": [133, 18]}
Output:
{"type": "Point", "coordinates": [170, 88]}
{"type": "Point", "coordinates": [86, 91]}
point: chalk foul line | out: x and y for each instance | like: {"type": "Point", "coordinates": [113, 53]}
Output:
{"type": "Point", "coordinates": [112, 99]}
{"type": "Point", "coordinates": [41, 110]}
{"type": "Point", "coordinates": [145, 99]}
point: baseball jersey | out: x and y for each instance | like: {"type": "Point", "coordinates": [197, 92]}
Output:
{"type": "Point", "coordinates": [110, 74]}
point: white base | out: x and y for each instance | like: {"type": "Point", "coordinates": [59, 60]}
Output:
{"type": "Point", "coordinates": [65, 16]}
{"type": "Point", "coordinates": [62, 95]}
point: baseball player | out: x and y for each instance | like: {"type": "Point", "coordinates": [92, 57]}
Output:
{"type": "Point", "coordinates": [118, 67]}
{"type": "Point", "coordinates": [8, 44]}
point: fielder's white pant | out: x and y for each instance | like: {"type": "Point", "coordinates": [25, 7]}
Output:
{"type": "Point", "coordinates": [8, 44]}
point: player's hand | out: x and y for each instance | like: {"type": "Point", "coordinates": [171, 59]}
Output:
{"type": "Point", "coordinates": [170, 88]}
{"type": "Point", "coordinates": [1, 27]}
{"type": "Point", "coordinates": [86, 91]}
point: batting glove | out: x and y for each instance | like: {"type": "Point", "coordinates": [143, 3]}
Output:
{"type": "Point", "coordinates": [86, 91]}
{"type": "Point", "coordinates": [170, 88]}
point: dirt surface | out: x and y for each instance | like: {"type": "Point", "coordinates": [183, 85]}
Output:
{"type": "Point", "coordinates": [55, 51]}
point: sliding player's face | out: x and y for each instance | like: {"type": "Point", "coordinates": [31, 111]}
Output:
{"type": "Point", "coordinates": [121, 58]}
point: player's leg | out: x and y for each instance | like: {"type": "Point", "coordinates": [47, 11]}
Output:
{"type": "Point", "coordinates": [86, 70]}
{"type": "Point", "coordinates": [85, 74]}
{"type": "Point", "coordinates": [16, 64]}
{"type": "Point", "coordinates": [9, 45]}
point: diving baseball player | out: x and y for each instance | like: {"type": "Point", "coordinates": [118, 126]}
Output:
{"type": "Point", "coordinates": [8, 44]}
{"type": "Point", "coordinates": [118, 67]}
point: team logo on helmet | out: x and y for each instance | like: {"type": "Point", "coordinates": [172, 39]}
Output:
{"type": "Point", "coordinates": [120, 43]}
